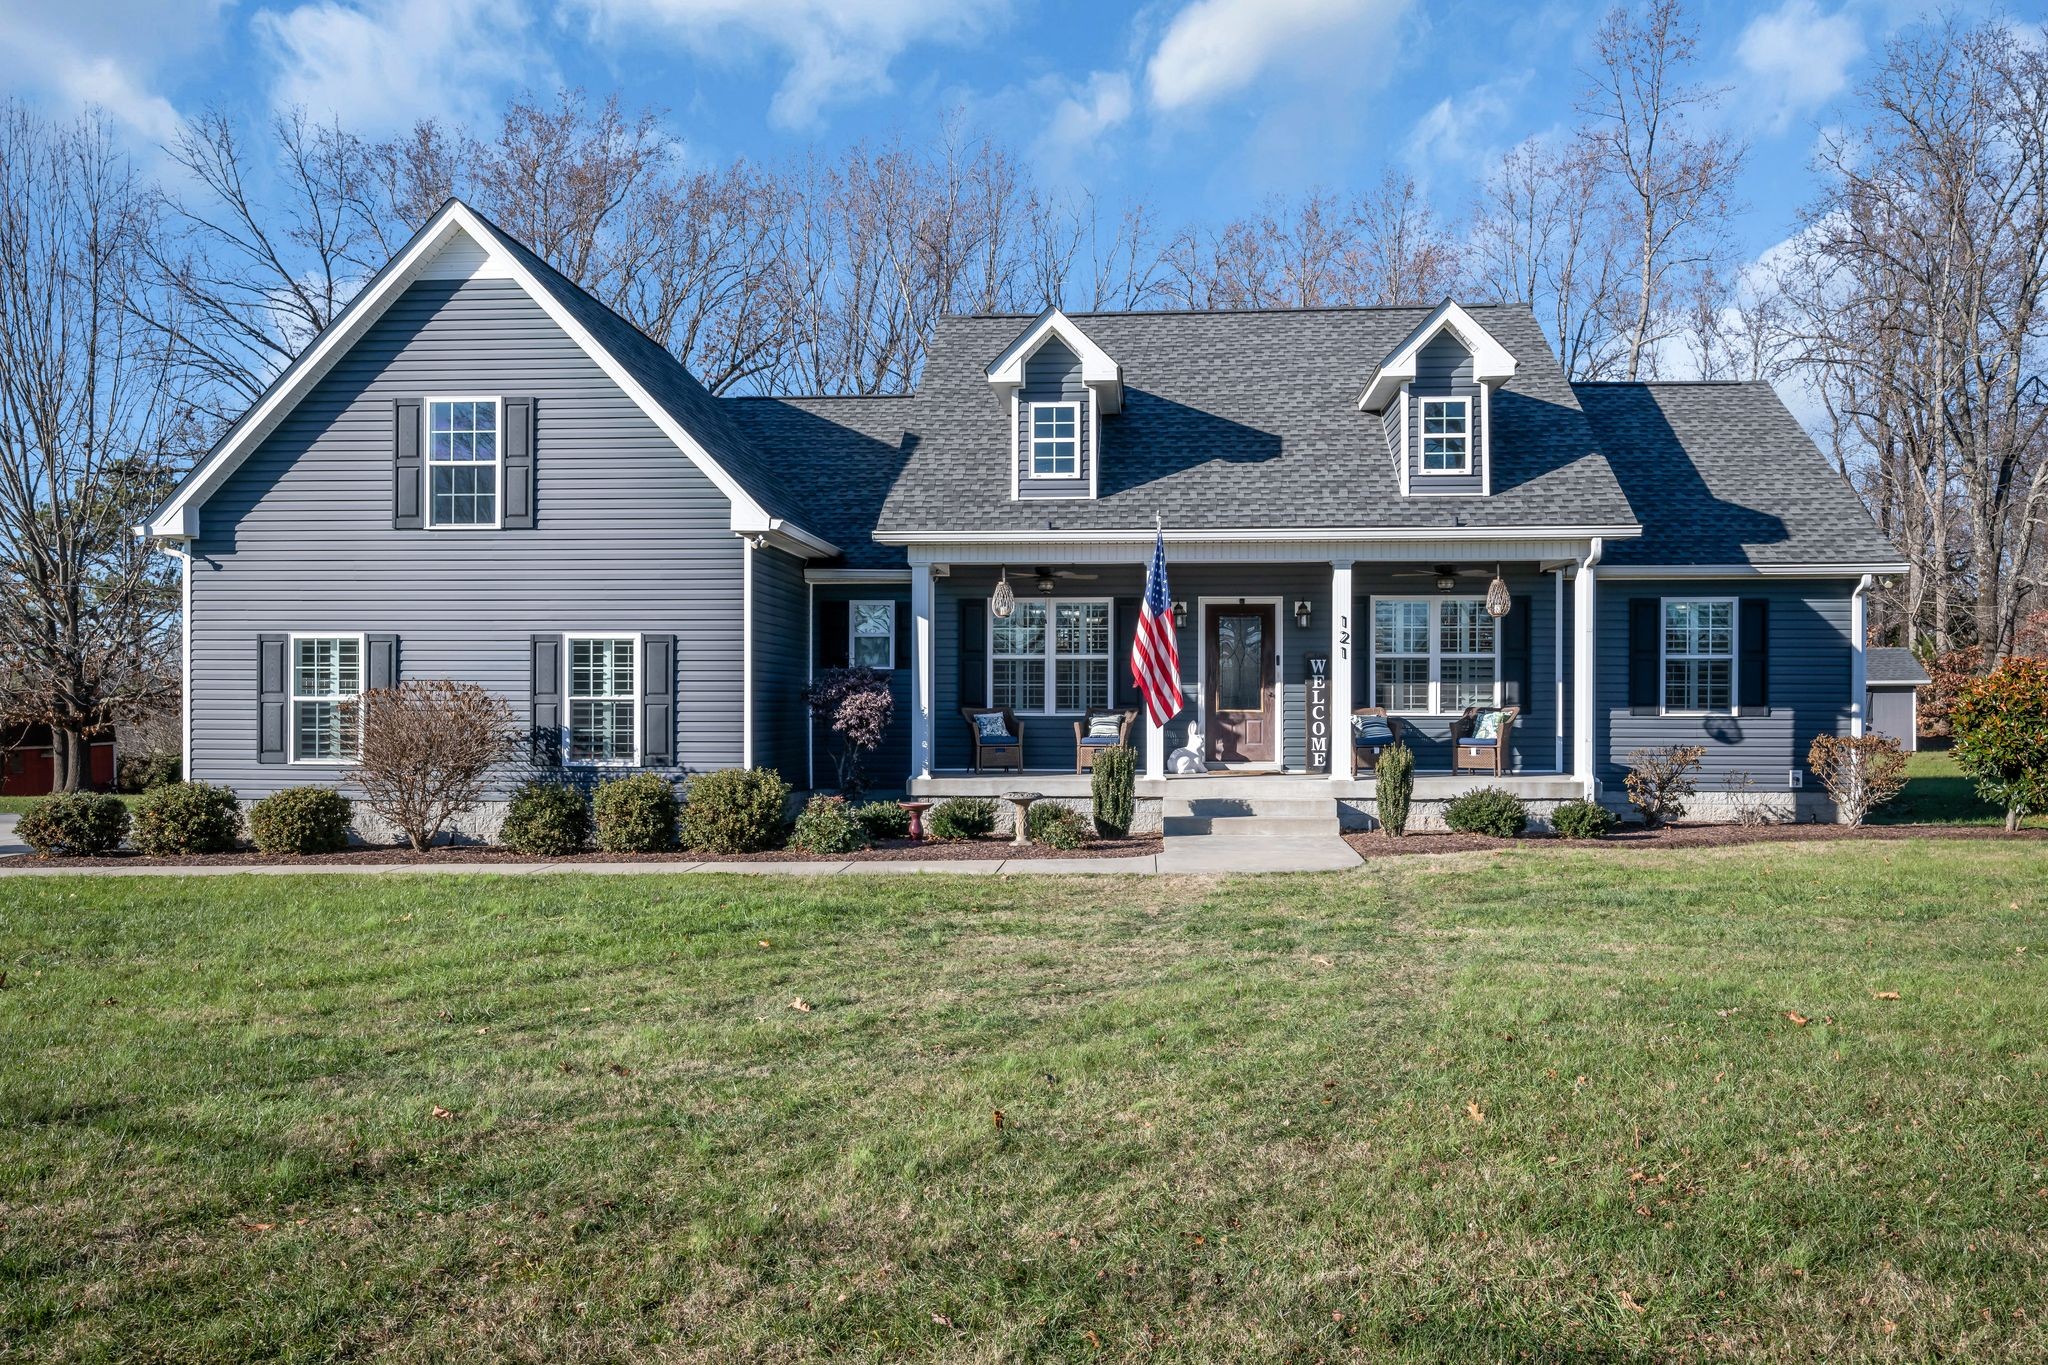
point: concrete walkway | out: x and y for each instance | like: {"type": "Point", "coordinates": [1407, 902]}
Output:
{"type": "Point", "coordinates": [9, 845]}
{"type": "Point", "coordinates": [1211, 853]}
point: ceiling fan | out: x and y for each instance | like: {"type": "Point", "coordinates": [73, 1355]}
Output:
{"type": "Point", "coordinates": [1443, 571]}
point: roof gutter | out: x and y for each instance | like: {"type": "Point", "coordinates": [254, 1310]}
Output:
{"type": "Point", "coordinates": [1142, 534]}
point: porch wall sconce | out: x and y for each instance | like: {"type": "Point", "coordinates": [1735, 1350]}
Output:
{"type": "Point", "coordinates": [1301, 611]}
{"type": "Point", "coordinates": [1180, 615]}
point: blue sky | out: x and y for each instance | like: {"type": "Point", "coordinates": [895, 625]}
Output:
{"type": "Point", "coordinates": [1205, 106]}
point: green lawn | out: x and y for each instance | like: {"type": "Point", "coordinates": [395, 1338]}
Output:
{"type": "Point", "coordinates": [1937, 793]}
{"type": "Point", "coordinates": [18, 805]}
{"type": "Point", "coordinates": [1529, 1105]}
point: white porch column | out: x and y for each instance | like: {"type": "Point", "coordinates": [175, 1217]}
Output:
{"type": "Point", "coordinates": [1584, 681]}
{"type": "Point", "coordinates": [921, 669]}
{"type": "Point", "coordinates": [1859, 662]}
{"type": "Point", "coordinates": [1343, 756]}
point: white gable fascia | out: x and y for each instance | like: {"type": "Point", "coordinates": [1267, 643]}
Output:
{"type": "Point", "coordinates": [437, 249]}
{"type": "Point", "coordinates": [1103, 376]}
{"type": "Point", "coordinates": [1491, 363]}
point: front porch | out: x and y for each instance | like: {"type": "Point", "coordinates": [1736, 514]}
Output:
{"type": "Point", "coordinates": [1065, 784]}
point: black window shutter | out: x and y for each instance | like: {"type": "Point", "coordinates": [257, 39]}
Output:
{"type": "Point", "coordinates": [407, 476]}
{"type": "Point", "coordinates": [382, 669]}
{"type": "Point", "coordinates": [1645, 686]}
{"type": "Point", "coordinates": [1124, 688]}
{"type": "Point", "coordinates": [273, 699]}
{"type": "Point", "coordinates": [835, 629]}
{"type": "Point", "coordinates": [1753, 689]}
{"type": "Point", "coordinates": [546, 716]}
{"type": "Point", "coordinates": [657, 701]}
{"type": "Point", "coordinates": [972, 652]}
{"type": "Point", "coordinates": [518, 464]}
{"type": "Point", "coordinates": [905, 637]}
{"type": "Point", "coordinates": [1516, 661]}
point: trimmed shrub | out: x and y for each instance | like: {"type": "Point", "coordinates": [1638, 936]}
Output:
{"type": "Point", "coordinates": [1394, 787]}
{"type": "Point", "coordinates": [963, 817]}
{"type": "Point", "coordinates": [883, 820]}
{"type": "Point", "coordinates": [1860, 772]}
{"type": "Point", "coordinates": [1582, 820]}
{"type": "Point", "coordinates": [300, 820]}
{"type": "Point", "coordinates": [829, 825]}
{"type": "Point", "coordinates": [1115, 789]}
{"type": "Point", "coordinates": [184, 818]}
{"type": "Point", "coordinates": [546, 819]}
{"type": "Point", "coordinates": [1487, 810]}
{"type": "Point", "coordinates": [77, 824]}
{"type": "Point", "coordinates": [2001, 728]}
{"type": "Point", "coordinates": [736, 810]}
{"type": "Point", "coordinates": [635, 814]}
{"type": "Point", "coordinates": [1056, 826]}
{"type": "Point", "coordinates": [1660, 780]}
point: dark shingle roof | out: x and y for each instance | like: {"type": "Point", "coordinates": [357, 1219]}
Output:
{"type": "Point", "coordinates": [1246, 419]}
{"type": "Point", "coordinates": [840, 457]}
{"type": "Point", "coordinates": [1724, 474]}
{"type": "Point", "coordinates": [1896, 667]}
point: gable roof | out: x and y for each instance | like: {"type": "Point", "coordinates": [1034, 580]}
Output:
{"type": "Point", "coordinates": [671, 397]}
{"type": "Point", "coordinates": [1103, 376]}
{"type": "Point", "coordinates": [1888, 666]}
{"type": "Point", "coordinates": [1722, 474]}
{"type": "Point", "coordinates": [1492, 363]}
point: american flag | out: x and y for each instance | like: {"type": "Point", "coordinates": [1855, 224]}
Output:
{"type": "Point", "coordinates": [1155, 657]}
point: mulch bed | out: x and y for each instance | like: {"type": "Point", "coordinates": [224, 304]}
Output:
{"type": "Point", "coordinates": [1373, 844]}
{"type": "Point", "coordinates": [888, 851]}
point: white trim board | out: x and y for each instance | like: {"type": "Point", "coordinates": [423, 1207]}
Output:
{"type": "Point", "coordinates": [1491, 361]}
{"type": "Point", "coordinates": [1102, 375]}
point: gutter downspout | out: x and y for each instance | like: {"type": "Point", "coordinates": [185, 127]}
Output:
{"type": "Point", "coordinates": [1859, 662]}
{"type": "Point", "coordinates": [1585, 683]}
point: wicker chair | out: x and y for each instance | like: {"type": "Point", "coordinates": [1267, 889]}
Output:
{"type": "Point", "coordinates": [1368, 750]}
{"type": "Point", "coordinates": [995, 753]}
{"type": "Point", "coordinates": [1086, 747]}
{"type": "Point", "coordinates": [1469, 755]}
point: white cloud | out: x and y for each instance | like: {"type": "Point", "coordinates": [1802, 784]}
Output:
{"type": "Point", "coordinates": [1797, 59]}
{"type": "Point", "coordinates": [1082, 114]}
{"type": "Point", "coordinates": [837, 50]}
{"type": "Point", "coordinates": [1464, 132]}
{"type": "Point", "coordinates": [105, 53]}
{"type": "Point", "coordinates": [1214, 48]}
{"type": "Point", "coordinates": [383, 64]}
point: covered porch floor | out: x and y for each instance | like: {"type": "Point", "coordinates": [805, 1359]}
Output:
{"type": "Point", "coordinates": [1064, 783]}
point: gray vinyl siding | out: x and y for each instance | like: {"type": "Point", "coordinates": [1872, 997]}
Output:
{"type": "Point", "coordinates": [1443, 369]}
{"type": "Point", "coordinates": [1390, 426]}
{"type": "Point", "coordinates": [781, 641]}
{"type": "Point", "coordinates": [1053, 375]}
{"type": "Point", "coordinates": [1892, 713]}
{"type": "Point", "coordinates": [629, 536]}
{"type": "Point", "coordinates": [888, 769]}
{"type": "Point", "coordinates": [1809, 683]}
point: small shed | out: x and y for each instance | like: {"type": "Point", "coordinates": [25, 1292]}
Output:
{"type": "Point", "coordinates": [1892, 680]}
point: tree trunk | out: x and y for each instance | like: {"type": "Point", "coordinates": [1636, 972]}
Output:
{"type": "Point", "coordinates": [69, 760]}
{"type": "Point", "coordinates": [2012, 820]}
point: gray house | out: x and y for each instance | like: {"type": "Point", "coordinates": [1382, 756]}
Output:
{"type": "Point", "coordinates": [480, 472]}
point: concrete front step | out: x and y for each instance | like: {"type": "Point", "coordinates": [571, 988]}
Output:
{"type": "Point", "coordinates": [1250, 826]}
{"type": "Point", "coordinates": [1277, 807]}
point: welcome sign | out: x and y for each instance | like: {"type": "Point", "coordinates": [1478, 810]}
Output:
{"type": "Point", "coordinates": [1317, 696]}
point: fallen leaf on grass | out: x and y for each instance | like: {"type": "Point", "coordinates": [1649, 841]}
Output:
{"type": "Point", "coordinates": [800, 1005]}
{"type": "Point", "coordinates": [766, 944]}
{"type": "Point", "coordinates": [258, 1227]}
{"type": "Point", "coordinates": [1477, 1114]}
{"type": "Point", "coordinates": [1884, 995]}
{"type": "Point", "coordinates": [443, 1114]}
{"type": "Point", "coordinates": [1889, 1326]}
{"type": "Point", "coordinates": [1797, 1018]}
{"type": "Point", "coordinates": [1628, 1301]}
{"type": "Point", "coordinates": [942, 1320]}
{"type": "Point", "coordinates": [998, 1116]}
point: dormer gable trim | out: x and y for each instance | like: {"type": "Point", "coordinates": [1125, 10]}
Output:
{"type": "Point", "coordinates": [1491, 363]}
{"type": "Point", "coordinates": [1103, 376]}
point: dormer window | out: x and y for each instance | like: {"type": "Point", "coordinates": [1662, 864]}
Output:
{"type": "Point", "coordinates": [1055, 440]}
{"type": "Point", "coordinates": [1446, 435]}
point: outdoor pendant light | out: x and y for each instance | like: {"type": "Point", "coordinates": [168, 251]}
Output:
{"type": "Point", "coordinates": [1497, 599]}
{"type": "Point", "coordinates": [1002, 602]}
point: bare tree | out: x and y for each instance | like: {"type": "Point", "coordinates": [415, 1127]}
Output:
{"type": "Point", "coordinates": [1546, 234]}
{"type": "Point", "coordinates": [92, 424]}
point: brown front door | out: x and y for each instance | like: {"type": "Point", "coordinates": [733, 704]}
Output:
{"type": "Point", "coordinates": [1240, 722]}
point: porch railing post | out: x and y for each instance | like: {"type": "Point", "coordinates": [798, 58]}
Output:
{"type": "Point", "coordinates": [921, 670]}
{"type": "Point", "coordinates": [1343, 644]}
{"type": "Point", "coordinates": [1585, 684]}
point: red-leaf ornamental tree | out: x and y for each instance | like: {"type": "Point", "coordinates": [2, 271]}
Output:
{"type": "Point", "coordinates": [856, 704]}
{"type": "Point", "coordinates": [2001, 730]}
{"type": "Point", "coordinates": [426, 747]}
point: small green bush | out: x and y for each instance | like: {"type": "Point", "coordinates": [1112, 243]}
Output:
{"type": "Point", "coordinates": [2001, 729]}
{"type": "Point", "coordinates": [1582, 820]}
{"type": "Point", "coordinates": [635, 814]}
{"type": "Point", "coordinates": [883, 820]}
{"type": "Point", "coordinates": [1487, 810]}
{"type": "Point", "coordinates": [301, 820]}
{"type": "Point", "coordinates": [1115, 789]}
{"type": "Point", "coordinates": [183, 818]}
{"type": "Point", "coordinates": [78, 825]}
{"type": "Point", "coordinates": [1056, 826]}
{"type": "Point", "coordinates": [963, 817]}
{"type": "Point", "coordinates": [1394, 787]}
{"type": "Point", "coordinates": [829, 825]}
{"type": "Point", "coordinates": [736, 810]}
{"type": "Point", "coordinates": [546, 820]}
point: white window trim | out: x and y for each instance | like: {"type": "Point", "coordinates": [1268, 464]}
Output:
{"type": "Point", "coordinates": [1422, 400]}
{"type": "Point", "coordinates": [1436, 652]}
{"type": "Point", "coordinates": [854, 637]}
{"type": "Point", "coordinates": [569, 699]}
{"type": "Point", "coordinates": [1052, 655]}
{"type": "Point", "coordinates": [1664, 655]}
{"type": "Point", "coordinates": [293, 696]}
{"type": "Point", "coordinates": [427, 462]}
{"type": "Point", "coordinates": [1030, 439]}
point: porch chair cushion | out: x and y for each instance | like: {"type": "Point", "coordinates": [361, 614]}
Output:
{"type": "Point", "coordinates": [990, 729]}
{"type": "Point", "coordinates": [1104, 729]}
{"type": "Point", "coordinates": [1486, 730]}
{"type": "Point", "coordinates": [1371, 730]}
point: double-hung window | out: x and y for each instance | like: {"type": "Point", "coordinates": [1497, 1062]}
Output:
{"type": "Point", "coordinates": [464, 458]}
{"type": "Point", "coordinates": [1446, 435]}
{"type": "Point", "coordinates": [1055, 440]}
{"type": "Point", "coordinates": [1057, 651]}
{"type": "Point", "coordinates": [327, 675]}
{"type": "Point", "coordinates": [1699, 656]}
{"type": "Point", "coordinates": [1434, 655]}
{"type": "Point", "coordinates": [604, 700]}
{"type": "Point", "coordinates": [874, 634]}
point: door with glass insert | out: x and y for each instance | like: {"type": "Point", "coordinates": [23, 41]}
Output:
{"type": "Point", "coordinates": [1241, 722]}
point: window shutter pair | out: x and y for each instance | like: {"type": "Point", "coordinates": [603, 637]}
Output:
{"type": "Point", "coordinates": [1645, 656]}
{"type": "Point", "coordinates": [274, 687]}
{"type": "Point", "coordinates": [1517, 659]}
{"type": "Point", "coordinates": [547, 719]}
{"type": "Point", "coordinates": [409, 473]}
